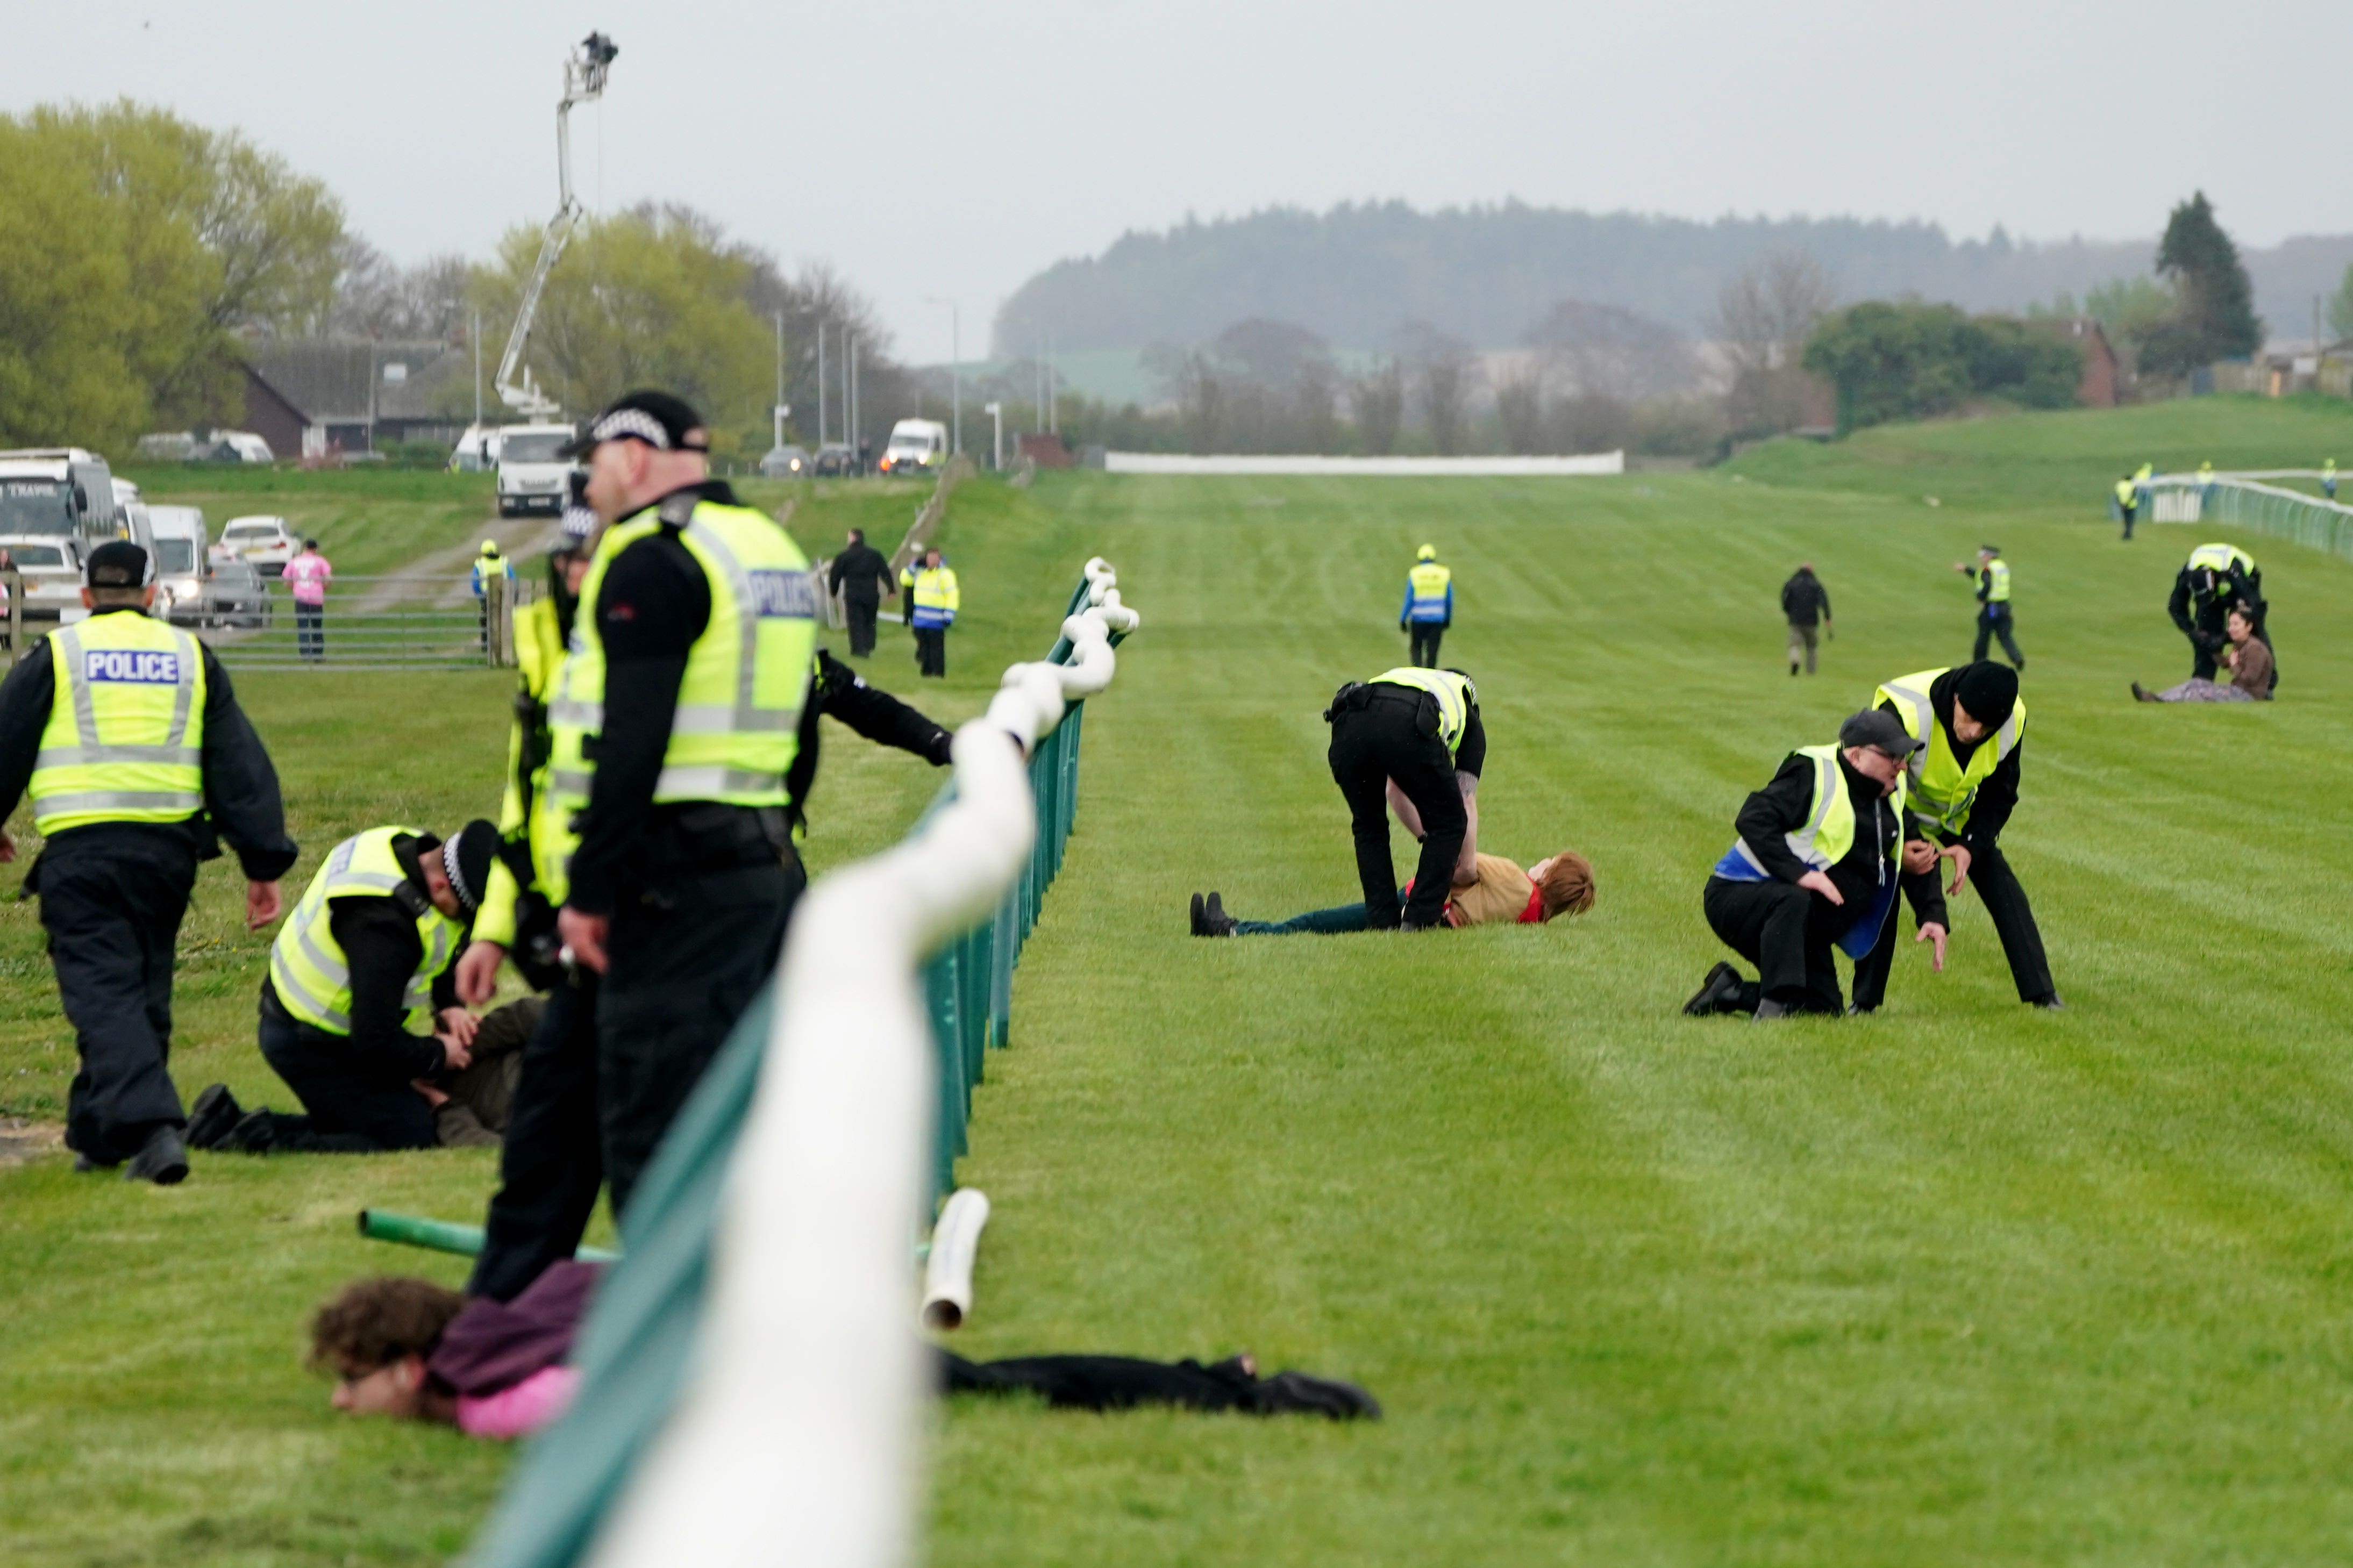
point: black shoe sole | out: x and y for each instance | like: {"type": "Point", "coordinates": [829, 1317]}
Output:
{"type": "Point", "coordinates": [1704, 1001]}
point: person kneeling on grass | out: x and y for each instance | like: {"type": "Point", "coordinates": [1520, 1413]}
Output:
{"type": "Point", "coordinates": [1818, 858]}
{"type": "Point", "coordinates": [409, 1347]}
{"type": "Point", "coordinates": [368, 955]}
{"type": "Point", "coordinates": [2248, 661]}
{"type": "Point", "coordinates": [1498, 892]}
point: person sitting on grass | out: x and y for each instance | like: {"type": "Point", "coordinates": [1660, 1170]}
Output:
{"type": "Point", "coordinates": [1498, 892]}
{"type": "Point", "coordinates": [2248, 661]}
{"type": "Point", "coordinates": [413, 1350]}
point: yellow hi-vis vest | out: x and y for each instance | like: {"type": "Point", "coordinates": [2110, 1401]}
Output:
{"type": "Point", "coordinates": [739, 706]}
{"type": "Point", "coordinates": [2126, 494]}
{"type": "Point", "coordinates": [539, 658]}
{"type": "Point", "coordinates": [1427, 583]}
{"type": "Point", "coordinates": [934, 597]}
{"type": "Point", "coordinates": [126, 733]}
{"type": "Point", "coordinates": [1454, 693]}
{"type": "Point", "coordinates": [1997, 582]}
{"type": "Point", "coordinates": [306, 967]}
{"type": "Point", "coordinates": [1829, 831]}
{"type": "Point", "coordinates": [1942, 789]}
{"type": "Point", "coordinates": [2220, 558]}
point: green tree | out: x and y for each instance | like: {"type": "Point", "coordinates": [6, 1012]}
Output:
{"type": "Point", "coordinates": [2214, 313]}
{"type": "Point", "coordinates": [1910, 360]}
{"type": "Point", "coordinates": [65, 287]}
{"type": "Point", "coordinates": [2340, 307]}
{"type": "Point", "coordinates": [651, 296]}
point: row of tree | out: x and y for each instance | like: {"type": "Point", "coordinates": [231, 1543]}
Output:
{"type": "Point", "coordinates": [139, 256]}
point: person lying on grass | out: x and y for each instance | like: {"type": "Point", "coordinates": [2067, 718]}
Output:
{"type": "Point", "coordinates": [410, 1348]}
{"type": "Point", "coordinates": [2246, 658]}
{"type": "Point", "coordinates": [1497, 892]}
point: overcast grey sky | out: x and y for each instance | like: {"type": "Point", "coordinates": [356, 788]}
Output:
{"type": "Point", "coordinates": [938, 150]}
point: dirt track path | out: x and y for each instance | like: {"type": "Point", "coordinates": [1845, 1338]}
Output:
{"type": "Point", "coordinates": [516, 536]}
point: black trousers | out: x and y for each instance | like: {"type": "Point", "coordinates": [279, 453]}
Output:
{"type": "Point", "coordinates": [553, 1161]}
{"type": "Point", "coordinates": [112, 896]}
{"type": "Point", "coordinates": [1992, 624]}
{"type": "Point", "coordinates": [1105, 1382]}
{"type": "Point", "coordinates": [311, 630]}
{"type": "Point", "coordinates": [686, 957]}
{"type": "Point", "coordinates": [1787, 932]}
{"type": "Point", "coordinates": [1426, 637]}
{"type": "Point", "coordinates": [861, 614]}
{"type": "Point", "coordinates": [353, 1108]}
{"type": "Point", "coordinates": [2014, 922]}
{"type": "Point", "coordinates": [2130, 513]}
{"type": "Point", "coordinates": [1379, 733]}
{"type": "Point", "coordinates": [932, 650]}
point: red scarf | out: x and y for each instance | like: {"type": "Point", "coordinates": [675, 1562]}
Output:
{"type": "Point", "coordinates": [1534, 914]}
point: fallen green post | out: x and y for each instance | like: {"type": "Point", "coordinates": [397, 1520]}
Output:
{"type": "Point", "coordinates": [443, 1236]}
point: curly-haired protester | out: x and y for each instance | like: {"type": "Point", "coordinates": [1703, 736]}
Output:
{"type": "Point", "coordinates": [410, 1348]}
{"type": "Point", "coordinates": [1499, 894]}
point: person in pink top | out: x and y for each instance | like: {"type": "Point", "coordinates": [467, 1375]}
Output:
{"type": "Point", "coordinates": [308, 574]}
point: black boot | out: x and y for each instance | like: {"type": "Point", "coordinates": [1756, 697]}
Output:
{"type": "Point", "coordinates": [254, 1133]}
{"type": "Point", "coordinates": [1219, 922]}
{"type": "Point", "coordinates": [1201, 917]}
{"type": "Point", "coordinates": [1768, 1009]}
{"type": "Point", "coordinates": [163, 1158]}
{"type": "Point", "coordinates": [214, 1113]}
{"type": "Point", "coordinates": [1715, 994]}
{"type": "Point", "coordinates": [1302, 1394]}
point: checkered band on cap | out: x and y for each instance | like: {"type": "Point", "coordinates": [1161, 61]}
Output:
{"type": "Point", "coordinates": [466, 895]}
{"type": "Point", "coordinates": [631, 422]}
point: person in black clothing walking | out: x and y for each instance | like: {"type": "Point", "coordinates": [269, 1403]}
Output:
{"type": "Point", "coordinates": [1810, 872]}
{"type": "Point", "coordinates": [1804, 604]}
{"type": "Point", "coordinates": [861, 576]}
{"type": "Point", "coordinates": [1414, 733]}
{"type": "Point", "coordinates": [129, 735]}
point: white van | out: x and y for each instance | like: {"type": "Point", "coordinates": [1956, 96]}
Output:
{"type": "Point", "coordinates": [181, 566]}
{"type": "Point", "coordinates": [532, 478]}
{"type": "Point", "coordinates": [915, 444]}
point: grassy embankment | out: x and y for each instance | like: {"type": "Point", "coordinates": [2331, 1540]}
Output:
{"type": "Point", "coordinates": [1958, 1283]}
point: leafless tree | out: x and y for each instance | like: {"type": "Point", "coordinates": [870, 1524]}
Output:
{"type": "Point", "coordinates": [1763, 317]}
{"type": "Point", "coordinates": [376, 298]}
{"type": "Point", "coordinates": [1376, 399]}
{"type": "Point", "coordinates": [1593, 422]}
{"type": "Point", "coordinates": [1601, 350]}
{"type": "Point", "coordinates": [1443, 371]}
{"type": "Point", "coordinates": [1519, 405]}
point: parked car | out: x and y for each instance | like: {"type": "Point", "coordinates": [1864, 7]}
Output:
{"type": "Point", "coordinates": [234, 595]}
{"type": "Point", "coordinates": [785, 463]}
{"type": "Point", "coordinates": [266, 541]}
{"type": "Point", "coordinates": [51, 567]}
{"type": "Point", "coordinates": [181, 563]}
{"type": "Point", "coordinates": [835, 460]}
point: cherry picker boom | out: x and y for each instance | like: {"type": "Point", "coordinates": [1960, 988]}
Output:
{"type": "Point", "coordinates": [583, 82]}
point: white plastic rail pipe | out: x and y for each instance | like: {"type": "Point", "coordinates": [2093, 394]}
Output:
{"type": "Point", "coordinates": [798, 1436]}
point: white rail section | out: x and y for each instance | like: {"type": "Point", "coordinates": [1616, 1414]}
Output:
{"type": "Point", "coordinates": [797, 1438]}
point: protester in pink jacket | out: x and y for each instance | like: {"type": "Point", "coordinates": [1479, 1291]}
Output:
{"type": "Point", "coordinates": [307, 574]}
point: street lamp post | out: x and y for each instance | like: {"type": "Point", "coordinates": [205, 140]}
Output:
{"type": "Point", "coordinates": [956, 372]}
{"type": "Point", "coordinates": [996, 412]}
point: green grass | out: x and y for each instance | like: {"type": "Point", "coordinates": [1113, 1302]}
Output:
{"type": "Point", "coordinates": [1961, 1283]}
{"type": "Point", "coordinates": [366, 522]}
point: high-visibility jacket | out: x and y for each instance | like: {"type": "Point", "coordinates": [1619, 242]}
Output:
{"type": "Point", "coordinates": [1824, 840]}
{"type": "Point", "coordinates": [1942, 789]}
{"type": "Point", "coordinates": [737, 725]}
{"type": "Point", "coordinates": [486, 566]}
{"type": "Point", "coordinates": [2126, 495]}
{"type": "Point", "coordinates": [309, 969]}
{"type": "Point", "coordinates": [526, 814]}
{"type": "Point", "coordinates": [2220, 558]}
{"type": "Point", "coordinates": [126, 733]}
{"type": "Point", "coordinates": [935, 597]}
{"type": "Point", "coordinates": [2145, 473]}
{"type": "Point", "coordinates": [1429, 594]}
{"type": "Point", "coordinates": [1455, 696]}
{"type": "Point", "coordinates": [1997, 582]}
{"type": "Point", "coordinates": [2205, 473]}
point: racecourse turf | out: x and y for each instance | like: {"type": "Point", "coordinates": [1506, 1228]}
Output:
{"type": "Point", "coordinates": [1962, 1283]}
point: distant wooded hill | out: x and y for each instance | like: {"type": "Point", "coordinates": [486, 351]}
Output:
{"type": "Point", "coordinates": [1359, 273]}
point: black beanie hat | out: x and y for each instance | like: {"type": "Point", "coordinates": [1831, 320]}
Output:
{"type": "Point", "coordinates": [466, 857]}
{"type": "Point", "coordinates": [1989, 690]}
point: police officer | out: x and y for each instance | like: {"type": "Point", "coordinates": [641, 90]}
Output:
{"type": "Point", "coordinates": [932, 600]}
{"type": "Point", "coordinates": [1429, 608]}
{"type": "Point", "coordinates": [551, 1164]}
{"type": "Point", "coordinates": [2127, 501]}
{"type": "Point", "coordinates": [129, 736]}
{"type": "Point", "coordinates": [674, 723]}
{"type": "Point", "coordinates": [1992, 574]}
{"type": "Point", "coordinates": [1417, 732]}
{"type": "Point", "coordinates": [489, 563]}
{"type": "Point", "coordinates": [1816, 866]}
{"type": "Point", "coordinates": [861, 576]}
{"type": "Point", "coordinates": [1964, 786]}
{"type": "Point", "coordinates": [2329, 478]}
{"type": "Point", "coordinates": [2215, 580]}
{"type": "Point", "coordinates": [364, 960]}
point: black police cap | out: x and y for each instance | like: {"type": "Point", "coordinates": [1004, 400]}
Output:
{"type": "Point", "coordinates": [665, 423]}
{"type": "Point", "coordinates": [118, 563]}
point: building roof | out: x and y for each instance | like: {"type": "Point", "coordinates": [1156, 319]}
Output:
{"type": "Point", "coordinates": [328, 380]}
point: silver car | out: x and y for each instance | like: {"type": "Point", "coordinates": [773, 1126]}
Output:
{"type": "Point", "coordinates": [50, 565]}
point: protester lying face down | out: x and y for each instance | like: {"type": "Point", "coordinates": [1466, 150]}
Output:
{"type": "Point", "coordinates": [1496, 893]}
{"type": "Point", "coordinates": [413, 1350]}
